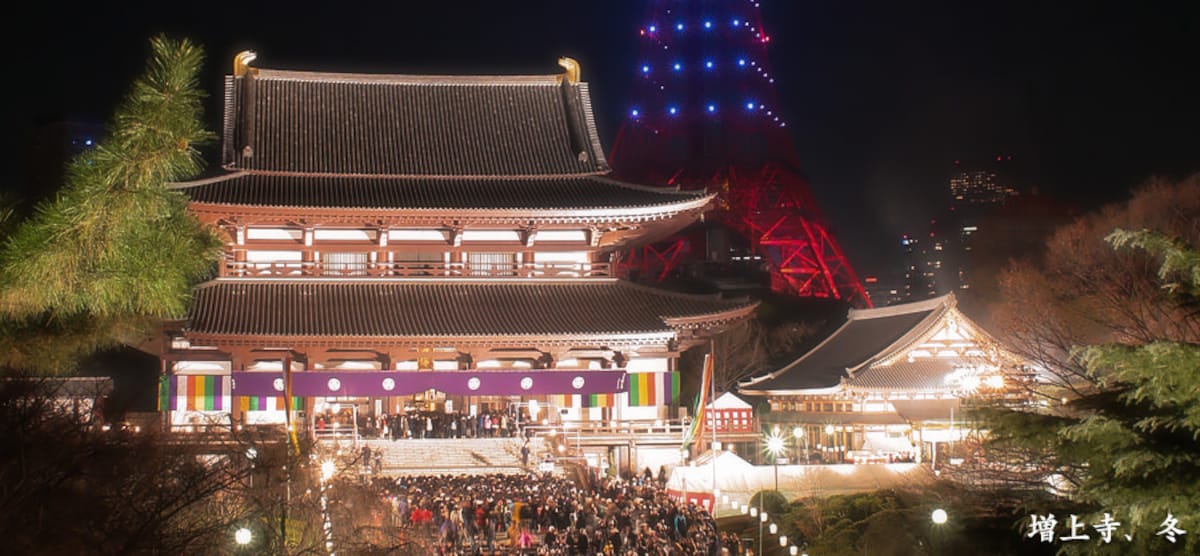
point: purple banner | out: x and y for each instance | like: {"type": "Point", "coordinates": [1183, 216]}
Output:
{"type": "Point", "coordinates": [402, 383]}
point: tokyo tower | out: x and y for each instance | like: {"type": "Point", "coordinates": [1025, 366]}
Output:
{"type": "Point", "coordinates": [705, 115]}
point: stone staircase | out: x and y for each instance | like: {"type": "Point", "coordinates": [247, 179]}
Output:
{"type": "Point", "coordinates": [455, 456]}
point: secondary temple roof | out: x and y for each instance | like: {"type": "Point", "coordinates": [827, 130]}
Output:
{"type": "Point", "coordinates": [868, 335]}
{"type": "Point", "coordinates": [375, 308]}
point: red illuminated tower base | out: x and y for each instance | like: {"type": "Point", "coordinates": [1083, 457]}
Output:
{"type": "Point", "coordinates": [705, 116]}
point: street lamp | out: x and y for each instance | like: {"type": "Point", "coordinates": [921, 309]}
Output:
{"type": "Point", "coordinates": [939, 518]}
{"type": "Point", "coordinates": [762, 518]}
{"type": "Point", "coordinates": [775, 448]}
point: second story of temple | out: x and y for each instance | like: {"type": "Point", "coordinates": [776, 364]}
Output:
{"type": "Point", "coordinates": [365, 175]}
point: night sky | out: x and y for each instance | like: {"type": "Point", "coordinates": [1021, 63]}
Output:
{"type": "Point", "coordinates": [881, 97]}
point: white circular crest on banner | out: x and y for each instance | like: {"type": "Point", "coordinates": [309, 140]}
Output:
{"type": "Point", "coordinates": [526, 383]}
{"type": "Point", "coordinates": [577, 382]}
{"type": "Point", "coordinates": [389, 384]}
{"type": "Point", "coordinates": [334, 384]}
{"type": "Point", "coordinates": [278, 384]}
{"type": "Point", "coordinates": [473, 383]}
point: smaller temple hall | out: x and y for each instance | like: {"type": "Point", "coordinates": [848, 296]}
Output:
{"type": "Point", "coordinates": [887, 384]}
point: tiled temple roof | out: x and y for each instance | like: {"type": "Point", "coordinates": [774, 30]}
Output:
{"type": "Point", "coordinates": [404, 125]}
{"type": "Point", "coordinates": [327, 191]}
{"type": "Point", "coordinates": [865, 336]}
{"type": "Point", "coordinates": [295, 139]}
{"type": "Point", "coordinates": [924, 374]}
{"type": "Point", "coordinates": [377, 308]}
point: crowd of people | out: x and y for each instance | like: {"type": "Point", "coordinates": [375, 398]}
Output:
{"type": "Point", "coordinates": [427, 424]}
{"type": "Point", "coordinates": [550, 515]}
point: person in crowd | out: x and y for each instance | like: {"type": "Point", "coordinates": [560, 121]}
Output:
{"type": "Point", "coordinates": [551, 515]}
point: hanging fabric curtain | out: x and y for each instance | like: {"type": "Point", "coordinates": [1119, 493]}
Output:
{"type": "Point", "coordinates": [648, 389]}
{"type": "Point", "coordinates": [597, 400]}
{"type": "Point", "coordinates": [268, 403]}
{"type": "Point", "coordinates": [194, 393]}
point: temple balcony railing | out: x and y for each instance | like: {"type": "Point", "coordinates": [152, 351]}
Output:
{"type": "Point", "coordinates": [384, 269]}
{"type": "Point", "coordinates": [637, 427]}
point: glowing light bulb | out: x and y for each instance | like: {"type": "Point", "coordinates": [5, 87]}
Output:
{"type": "Point", "coordinates": [635, 112]}
{"type": "Point", "coordinates": [679, 26]}
{"type": "Point", "coordinates": [708, 64]}
{"type": "Point", "coordinates": [645, 69]}
{"type": "Point", "coordinates": [672, 110]}
{"type": "Point", "coordinates": [653, 28]}
{"type": "Point", "coordinates": [737, 22]}
{"type": "Point", "coordinates": [708, 25]}
{"type": "Point", "coordinates": [750, 106]}
{"type": "Point", "coordinates": [712, 108]}
{"type": "Point", "coordinates": [678, 66]}
{"type": "Point", "coordinates": [742, 62]}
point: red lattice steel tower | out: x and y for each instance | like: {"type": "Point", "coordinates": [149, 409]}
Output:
{"type": "Point", "coordinates": [705, 115]}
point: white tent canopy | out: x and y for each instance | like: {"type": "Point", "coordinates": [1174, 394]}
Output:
{"type": "Point", "coordinates": [729, 401]}
{"type": "Point", "coordinates": [738, 480]}
{"type": "Point", "coordinates": [732, 473]}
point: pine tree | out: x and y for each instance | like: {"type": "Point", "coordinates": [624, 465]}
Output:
{"type": "Point", "coordinates": [1130, 447]}
{"type": "Point", "coordinates": [115, 250]}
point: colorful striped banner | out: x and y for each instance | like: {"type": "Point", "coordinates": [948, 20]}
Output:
{"type": "Point", "coordinates": [164, 393]}
{"type": "Point", "coordinates": [597, 400]}
{"type": "Point", "coordinates": [563, 400]}
{"type": "Point", "coordinates": [198, 393]}
{"type": "Point", "coordinates": [696, 432]}
{"type": "Point", "coordinates": [646, 389]}
{"type": "Point", "coordinates": [267, 403]}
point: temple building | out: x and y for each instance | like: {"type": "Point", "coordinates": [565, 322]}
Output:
{"type": "Point", "coordinates": [887, 384]}
{"type": "Point", "coordinates": [441, 243]}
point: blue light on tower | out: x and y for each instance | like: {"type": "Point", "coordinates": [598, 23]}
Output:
{"type": "Point", "coordinates": [635, 112]}
{"type": "Point", "coordinates": [679, 26]}
{"type": "Point", "coordinates": [742, 62]}
{"type": "Point", "coordinates": [707, 24]}
{"type": "Point", "coordinates": [678, 66]}
{"type": "Point", "coordinates": [653, 28]}
{"type": "Point", "coordinates": [737, 22]}
{"type": "Point", "coordinates": [645, 68]}
{"type": "Point", "coordinates": [750, 105]}
{"type": "Point", "coordinates": [708, 64]}
{"type": "Point", "coordinates": [672, 110]}
{"type": "Point", "coordinates": [712, 108]}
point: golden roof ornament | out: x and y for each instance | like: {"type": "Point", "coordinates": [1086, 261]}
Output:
{"type": "Point", "coordinates": [241, 62]}
{"type": "Point", "coordinates": [572, 67]}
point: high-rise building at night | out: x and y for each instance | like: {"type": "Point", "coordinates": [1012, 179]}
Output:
{"type": "Point", "coordinates": [978, 187]}
{"type": "Point", "coordinates": [939, 261]}
{"type": "Point", "coordinates": [929, 268]}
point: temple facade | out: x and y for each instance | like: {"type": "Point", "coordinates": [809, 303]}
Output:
{"type": "Point", "coordinates": [433, 243]}
{"type": "Point", "coordinates": [890, 384]}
